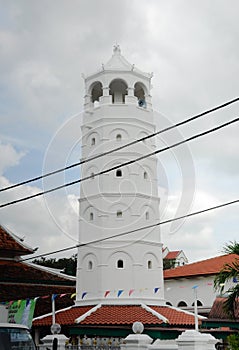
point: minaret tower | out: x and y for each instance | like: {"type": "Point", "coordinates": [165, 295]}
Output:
{"type": "Point", "coordinates": [127, 269]}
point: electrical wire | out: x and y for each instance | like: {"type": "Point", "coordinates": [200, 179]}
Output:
{"type": "Point", "coordinates": [135, 230]}
{"type": "Point", "coordinates": [123, 146]}
{"type": "Point", "coordinates": [121, 165]}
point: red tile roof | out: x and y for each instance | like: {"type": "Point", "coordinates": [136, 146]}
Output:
{"type": "Point", "coordinates": [108, 315]}
{"type": "Point", "coordinates": [172, 255]}
{"type": "Point", "coordinates": [205, 267]}
{"type": "Point", "coordinates": [11, 245]}
{"type": "Point", "coordinates": [218, 312]}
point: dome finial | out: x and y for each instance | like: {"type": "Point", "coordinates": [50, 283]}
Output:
{"type": "Point", "coordinates": [116, 49]}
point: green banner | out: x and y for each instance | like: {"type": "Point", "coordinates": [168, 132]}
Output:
{"type": "Point", "coordinates": [22, 311]}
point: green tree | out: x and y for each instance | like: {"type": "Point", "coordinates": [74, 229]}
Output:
{"type": "Point", "coordinates": [67, 265]}
{"type": "Point", "coordinates": [233, 341]}
{"type": "Point", "coordinates": [229, 272]}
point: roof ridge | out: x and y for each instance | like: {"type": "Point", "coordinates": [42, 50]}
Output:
{"type": "Point", "coordinates": [88, 313]}
{"type": "Point", "coordinates": [155, 313]}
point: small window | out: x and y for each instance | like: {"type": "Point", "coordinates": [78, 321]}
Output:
{"type": "Point", "coordinates": [168, 303]}
{"type": "Point", "coordinates": [147, 215]}
{"type": "Point", "coordinates": [120, 264]}
{"type": "Point", "coordinates": [90, 265]}
{"type": "Point", "coordinates": [118, 173]}
{"type": "Point", "coordinates": [150, 265]}
{"type": "Point", "coordinates": [145, 175]}
{"type": "Point", "coordinates": [119, 214]}
{"type": "Point", "coordinates": [92, 175]}
{"type": "Point", "coordinates": [199, 303]}
{"type": "Point", "coordinates": [93, 141]}
{"type": "Point", "coordinates": [118, 137]}
{"type": "Point", "coordinates": [91, 216]}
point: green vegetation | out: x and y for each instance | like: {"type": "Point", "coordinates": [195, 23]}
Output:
{"type": "Point", "coordinates": [67, 265]}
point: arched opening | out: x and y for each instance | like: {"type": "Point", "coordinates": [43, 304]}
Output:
{"type": "Point", "coordinates": [182, 304]}
{"type": "Point", "coordinates": [119, 214]}
{"type": "Point", "coordinates": [199, 303]}
{"type": "Point", "coordinates": [118, 137]}
{"type": "Point", "coordinates": [150, 264]}
{"type": "Point", "coordinates": [147, 215]}
{"type": "Point", "coordinates": [93, 141]}
{"type": "Point", "coordinates": [120, 264]}
{"type": "Point", "coordinates": [139, 92]}
{"type": "Point", "coordinates": [168, 303]}
{"type": "Point", "coordinates": [118, 90]}
{"type": "Point", "coordinates": [91, 216]}
{"type": "Point", "coordinates": [96, 92]}
{"type": "Point", "coordinates": [92, 176]}
{"type": "Point", "coordinates": [90, 265]}
{"type": "Point", "coordinates": [145, 175]}
{"type": "Point", "coordinates": [118, 173]}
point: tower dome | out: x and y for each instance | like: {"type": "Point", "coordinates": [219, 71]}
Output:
{"type": "Point", "coordinates": [124, 264]}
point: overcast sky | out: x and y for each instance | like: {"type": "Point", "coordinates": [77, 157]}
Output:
{"type": "Point", "coordinates": [192, 49]}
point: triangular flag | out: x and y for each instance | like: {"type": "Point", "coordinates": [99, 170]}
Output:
{"type": "Point", "coordinates": [19, 302]}
{"type": "Point", "coordinates": [106, 293]}
{"type": "Point", "coordinates": [156, 289]}
{"type": "Point", "coordinates": [28, 301]}
{"type": "Point", "coordinates": [195, 287]}
{"type": "Point", "coordinates": [120, 292]}
{"type": "Point", "coordinates": [131, 291]}
{"type": "Point", "coordinates": [53, 297]}
{"type": "Point", "coordinates": [234, 280]}
{"type": "Point", "coordinates": [62, 295]}
{"type": "Point", "coordinates": [73, 295]}
{"type": "Point", "coordinates": [83, 295]}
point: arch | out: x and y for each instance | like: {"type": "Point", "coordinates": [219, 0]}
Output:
{"type": "Point", "coordinates": [91, 216]}
{"type": "Point", "coordinates": [150, 264]}
{"type": "Point", "coordinates": [118, 173]}
{"type": "Point", "coordinates": [96, 91]}
{"type": "Point", "coordinates": [120, 264]}
{"type": "Point", "coordinates": [118, 90]}
{"type": "Point", "coordinates": [93, 138]}
{"type": "Point", "coordinates": [118, 131]}
{"type": "Point", "coordinates": [168, 303]}
{"type": "Point", "coordinates": [92, 142]}
{"type": "Point", "coordinates": [140, 92]}
{"type": "Point", "coordinates": [147, 215]}
{"type": "Point", "coordinates": [146, 176]}
{"type": "Point", "coordinates": [199, 303]}
{"type": "Point", "coordinates": [182, 304]}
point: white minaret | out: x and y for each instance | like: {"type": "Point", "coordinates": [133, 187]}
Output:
{"type": "Point", "coordinates": [127, 269]}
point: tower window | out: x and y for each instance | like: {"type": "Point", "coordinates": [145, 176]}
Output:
{"type": "Point", "coordinates": [182, 304]}
{"type": "Point", "coordinates": [90, 265]}
{"type": "Point", "coordinates": [119, 214]}
{"type": "Point", "coordinates": [118, 173]}
{"type": "Point", "coordinates": [120, 264]}
{"type": "Point", "coordinates": [145, 175]}
{"type": "Point", "coordinates": [92, 175]}
{"type": "Point", "coordinates": [147, 215]}
{"type": "Point", "coordinates": [91, 216]}
{"type": "Point", "coordinates": [118, 137]}
{"type": "Point", "coordinates": [93, 141]}
{"type": "Point", "coordinates": [150, 265]}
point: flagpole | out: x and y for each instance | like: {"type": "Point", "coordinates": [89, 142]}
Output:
{"type": "Point", "coordinates": [53, 309]}
{"type": "Point", "coordinates": [195, 309]}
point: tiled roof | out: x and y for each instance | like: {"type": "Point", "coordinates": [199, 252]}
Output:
{"type": "Point", "coordinates": [218, 312]}
{"type": "Point", "coordinates": [172, 255]}
{"type": "Point", "coordinates": [205, 267]}
{"type": "Point", "coordinates": [118, 315]}
{"type": "Point", "coordinates": [11, 245]}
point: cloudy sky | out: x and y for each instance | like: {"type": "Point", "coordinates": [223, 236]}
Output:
{"type": "Point", "coordinates": [192, 49]}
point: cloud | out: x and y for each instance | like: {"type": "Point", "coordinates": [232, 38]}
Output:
{"type": "Point", "coordinates": [9, 157]}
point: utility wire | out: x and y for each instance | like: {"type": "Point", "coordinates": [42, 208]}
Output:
{"type": "Point", "coordinates": [135, 230]}
{"type": "Point", "coordinates": [121, 165]}
{"type": "Point", "coordinates": [123, 146]}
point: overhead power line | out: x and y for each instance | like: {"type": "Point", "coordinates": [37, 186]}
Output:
{"type": "Point", "coordinates": [123, 146]}
{"type": "Point", "coordinates": [135, 230]}
{"type": "Point", "coordinates": [123, 164]}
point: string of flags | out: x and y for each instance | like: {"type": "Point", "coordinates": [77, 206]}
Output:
{"type": "Point", "coordinates": [106, 293]}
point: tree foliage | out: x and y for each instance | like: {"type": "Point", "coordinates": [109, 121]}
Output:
{"type": "Point", "coordinates": [67, 265]}
{"type": "Point", "coordinates": [229, 272]}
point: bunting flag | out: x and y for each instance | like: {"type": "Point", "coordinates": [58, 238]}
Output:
{"type": "Point", "coordinates": [156, 290]}
{"type": "Point", "coordinates": [106, 293]}
{"type": "Point", "coordinates": [21, 311]}
{"type": "Point", "coordinates": [53, 297]}
{"type": "Point", "coordinates": [235, 280]}
{"type": "Point", "coordinates": [195, 287]}
{"type": "Point", "coordinates": [209, 284]}
{"type": "Point", "coordinates": [83, 295]}
{"type": "Point", "coordinates": [119, 293]}
{"type": "Point", "coordinates": [73, 295]}
{"type": "Point", "coordinates": [62, 295]}
{"type": "Point", "coordinates": [131, 292]}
